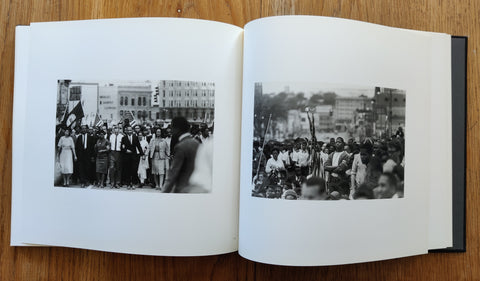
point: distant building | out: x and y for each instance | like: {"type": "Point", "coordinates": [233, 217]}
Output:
{"type": "Point", "coordinates": [190, 99]}
{"type": "Point", "coordinates": [389, 106]}
{"type": "Point", "coordinates": [345, 108]}
{"type": "Point", "coordinates": [134, 102]}
{"type": "Point", "coordinates": [108, 104]}
{"type": "Point", "coordinates": [299, 125]}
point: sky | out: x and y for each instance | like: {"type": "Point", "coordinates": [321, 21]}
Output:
{"type": "Point", "coordinates": [309, 88]}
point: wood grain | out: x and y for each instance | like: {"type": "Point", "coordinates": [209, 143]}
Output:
{"type": "Point", "coordinates": [449, 16]}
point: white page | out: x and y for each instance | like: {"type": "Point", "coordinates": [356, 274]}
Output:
{"type": "Point", "coordinates": [19, 105]}
{"type": "Point", "coordinates": [440, 215]}
{"type": "Point", "coordinates": [327, 50]}
{"type": "Point", "coordinates": [139, 222]}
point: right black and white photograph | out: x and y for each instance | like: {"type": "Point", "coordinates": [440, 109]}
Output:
{"type": "Point", "coordinates": [315, 141]}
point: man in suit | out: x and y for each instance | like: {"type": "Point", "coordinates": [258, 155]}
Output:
{"type": "Point", "coordinates": [183, 162]}
{"type": "Point", "coordinates": [84, 148]}
{"type": "Point", "coordinates": [337, 164]}
{"type": "Point", "coordinates": [131, 152]}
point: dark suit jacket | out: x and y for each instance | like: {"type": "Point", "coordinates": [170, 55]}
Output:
{"type": "Point", "coordinates": [182, 165]}
{"type": "Point", "coordinates": [126, 145]}
{"type": "Point", "coordinates": [89, 152]}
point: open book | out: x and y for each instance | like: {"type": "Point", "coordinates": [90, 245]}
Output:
{"type": "Point", "coordinates": [184, 137]}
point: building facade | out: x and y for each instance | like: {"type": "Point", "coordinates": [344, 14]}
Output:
{"type": "Point", "coordinates": [190, 99]}
{"type": "Point", "coordinates": [345, 108]}
{"type": "Point", "coordinates": [134, 102]}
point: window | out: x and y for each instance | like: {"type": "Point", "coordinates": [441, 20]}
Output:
{"type": "Point", "coordinates": [149, 115]}
{"type": "Point", "coordinates": [139, 114]}
{"type": "Point", "coordinates": [121, 100]}
{"type": "Point", "coordinates": [139, 101]}
{"type": "Point", "coordinates": [133, 113]}
{"type": "Point", "coordinates": [133, 101]}
{"type": "Point", "coordinates": [126, 101]}
{"type": "Point", "coordinates": [157, 115]}
{"type": "Point", "coordinates": [164, 92]}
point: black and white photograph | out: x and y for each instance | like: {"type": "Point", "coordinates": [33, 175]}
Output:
{"type": "Point", "coordinates": [151, 136]}
{"type": "Point", "coordinates": [315, 141]}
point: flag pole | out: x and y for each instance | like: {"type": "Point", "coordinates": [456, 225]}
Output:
{"type": "Point", "coordinates": [263, 145]}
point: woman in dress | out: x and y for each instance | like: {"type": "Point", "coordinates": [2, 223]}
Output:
{"type": "Point", "coordinates": [143, 163]}
{"type": "Point", "coordinates": [102, 147]}
{"type": "Point", "coordinates": [66, 152]}
{"type": "Point", "coordinates": [159, 151]}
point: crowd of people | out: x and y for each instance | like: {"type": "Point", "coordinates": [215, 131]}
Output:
{"type": "Point", "coordinates": [133, 156]}
{"type": "Point", "coordinates": [372, 168]}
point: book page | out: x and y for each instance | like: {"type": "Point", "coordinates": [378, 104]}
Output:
{"type": "Point", "coordinates": [355, 88]}
{"type": "Point", "coordinates": [19, 104]}
{"type": "Point", "coordinates": [133, 136]}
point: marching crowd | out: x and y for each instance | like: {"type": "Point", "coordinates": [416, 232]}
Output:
{"type": "Point", "coordinates": [137, 156]}
{"type": "Point", "coordinates": [334, 170]}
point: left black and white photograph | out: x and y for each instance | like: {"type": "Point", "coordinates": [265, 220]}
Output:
{"type": "Point", "coordinates": [149, 136]}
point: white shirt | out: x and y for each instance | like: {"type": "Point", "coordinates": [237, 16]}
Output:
{"type": "Point", "coordinates": [336, 157]}
{"type": "Point", "coordinates": [273, 164]}
{"type": "Point", "coordinates": [117, 146]}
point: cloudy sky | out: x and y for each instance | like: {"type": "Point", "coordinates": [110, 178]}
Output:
{"type": "Point", "coordinates": [309, 88]}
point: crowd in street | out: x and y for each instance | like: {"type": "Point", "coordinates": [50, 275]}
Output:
{"type": "Point", "coordinates": [372, 168]}
{"type": "Point", "coordinates": [150, 155]}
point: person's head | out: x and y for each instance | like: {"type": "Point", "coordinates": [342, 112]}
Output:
{"type": "Point", "coordinates": [91, 131]}
{"type": "Point", "coordinates": [158, 133]}
{"type": "Point", "coordinates": [180, 125]}
{"type": "Point", "coordinates": [363, 192]}
{"type": "Point", "coordinates": [104, 128]}
{"type": "Point", "coordinates": [366, 152]}
{"type": "Point", "coordinates": [314, 189]}
{"type": "Point", "coordinates": [339, 144]}
{"type": "Point", "coordinates": [84, 129]}
{"type": "Point", "coordinates": [332, 141]}
{"type": "Point", "coordinates": [335, 195]}
{"type": "Point", "coordinates": [205, 133]}
{"type": "Point", "coordinates": [290, 195]}
{"type": "Point", "coordinates": [270, 193]}
{"type": "Point", "coordinates": [325, 148]}
{"type": "Point", "coordinates": [394, 147]}
{"type": "Point", "coordinates": [66, 132]}
{"type": "Point", "coordinates": [278, 191]}
{"type": "Point", "coordinates": [261, 176]}
{"type": "Point", "coordinates": [146, 132]}
{"type": "Point", "coordinates": [137, 129]}
{"type": "Point", "coordinates": [387, 185]}
{"type": "Point", "coordinates": [116, 130]}
{"type": "Point", "coordinates": [101, 133]}
{"type": "Point", "coordinates": [140, 135]}
{"type": "Point", "coordinates": [129, 130]}
{"type": "Point", "coordinates": [347, 148]}
{"type": "Point", "coordinates": [275, 153]}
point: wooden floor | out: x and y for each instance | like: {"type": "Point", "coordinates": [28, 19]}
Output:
{"type": "Point", "coordinates": [449, 16]}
